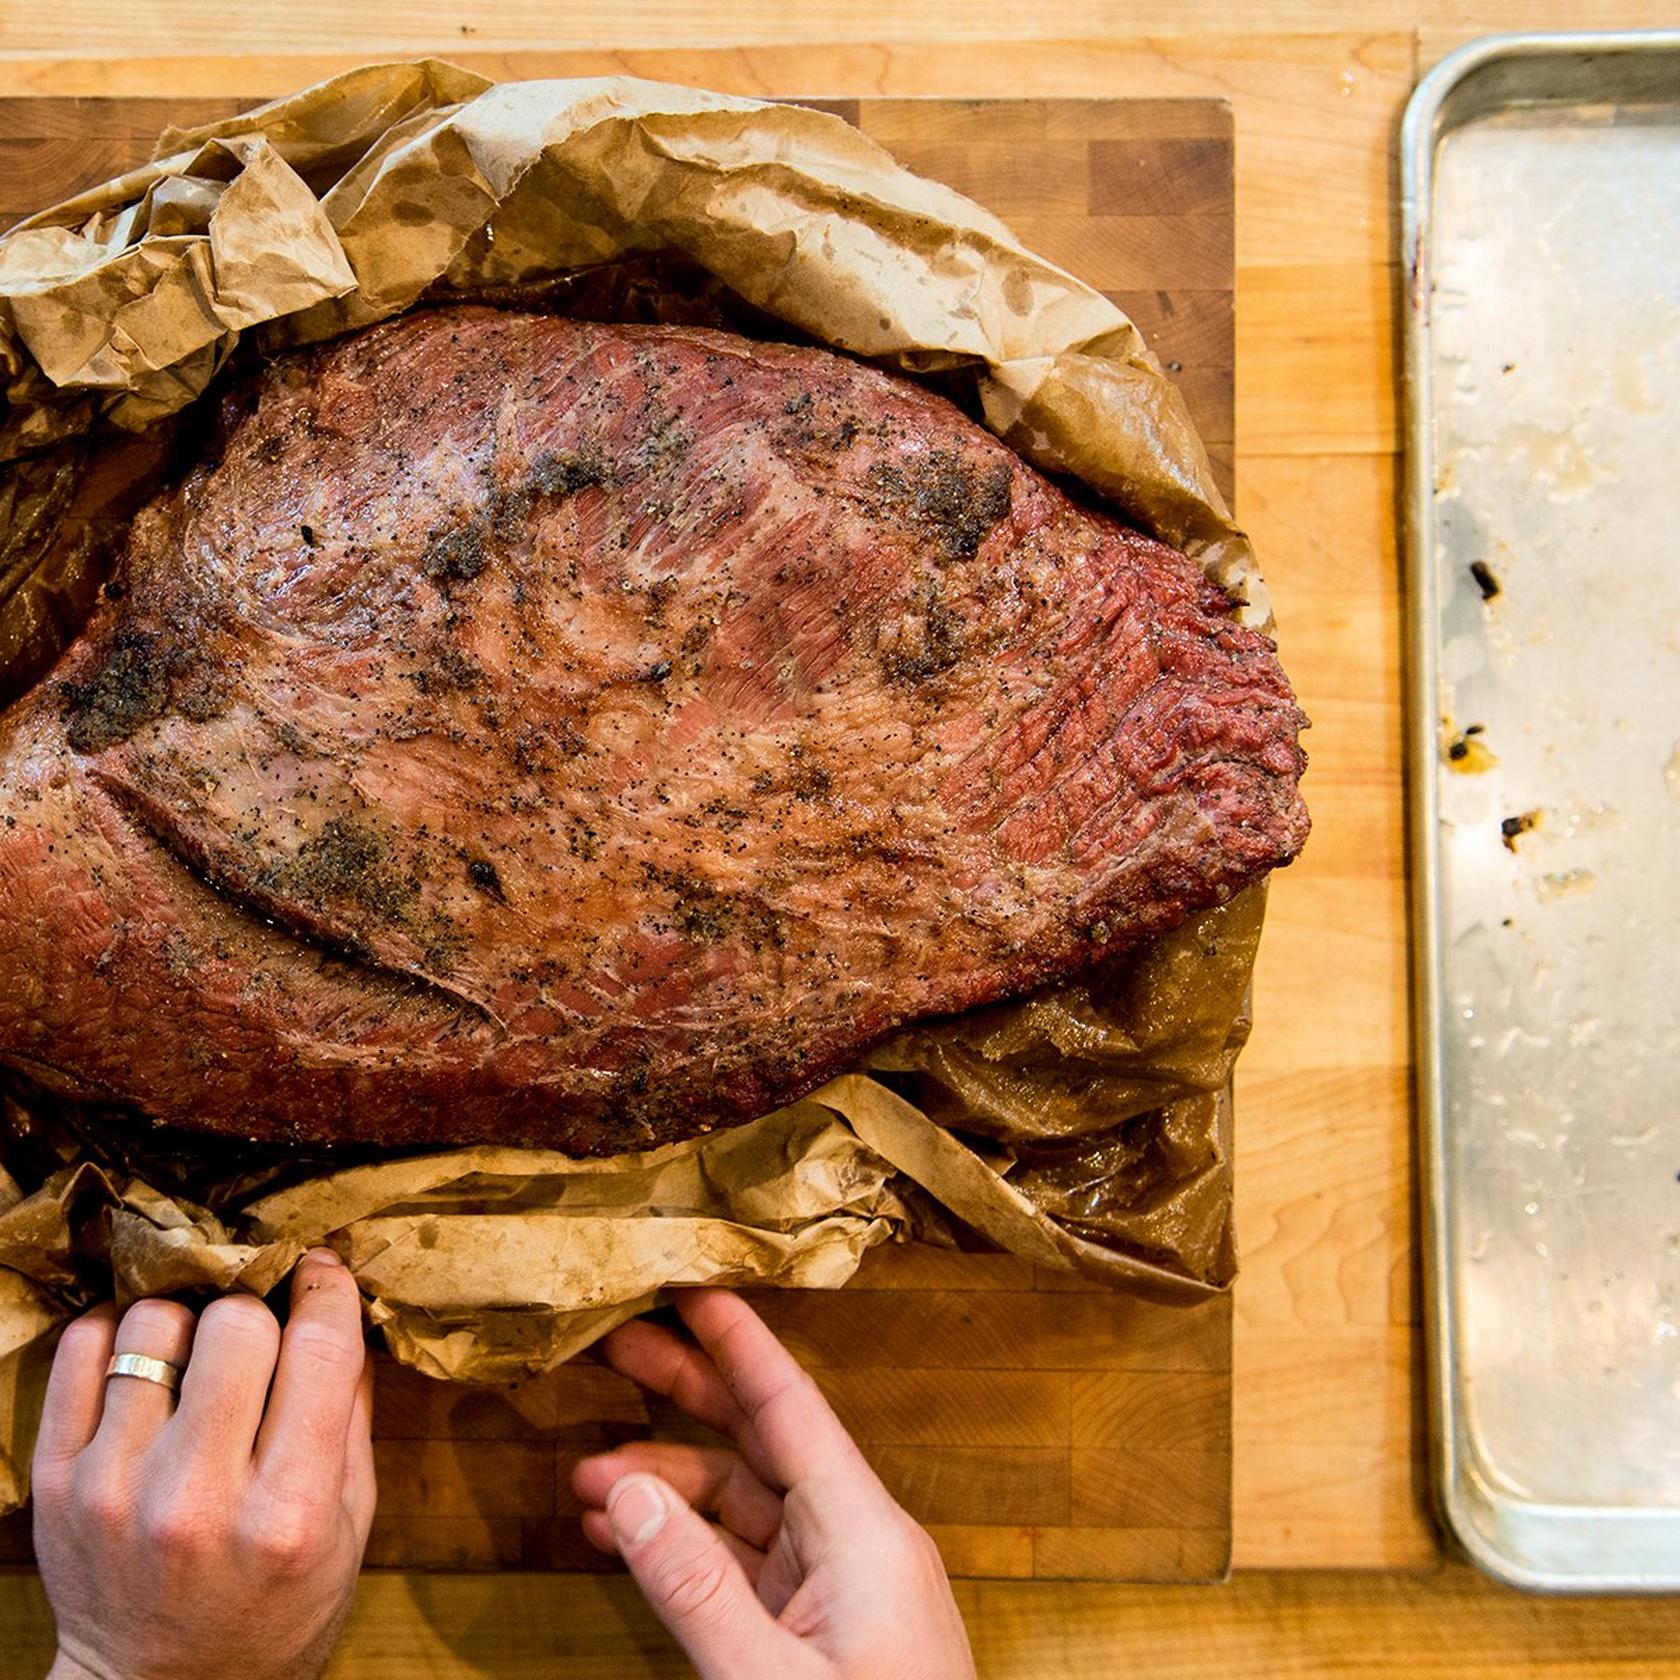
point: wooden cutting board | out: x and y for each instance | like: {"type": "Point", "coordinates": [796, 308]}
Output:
{"type": "Point", "coordinates": [1039, 1426]}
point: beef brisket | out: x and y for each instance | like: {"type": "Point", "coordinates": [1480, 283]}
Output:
{"type": "Point", "coordinates": [547, 732]}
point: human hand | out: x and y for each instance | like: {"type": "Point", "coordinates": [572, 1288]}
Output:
{"type": "Point", "coordinates": [811, 1571]}
{"type": "Point", "coordinates": [216, 1539]}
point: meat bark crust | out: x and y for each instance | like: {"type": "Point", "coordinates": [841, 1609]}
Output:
{"type": "Point", "coordinates": [539, 731]}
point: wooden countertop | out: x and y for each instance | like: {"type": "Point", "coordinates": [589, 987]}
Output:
{"type": "Point", "coordinates": [1328, 1462]}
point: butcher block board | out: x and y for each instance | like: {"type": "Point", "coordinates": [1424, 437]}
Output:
{"type": "Point", "coordinates": [1040, 1427]}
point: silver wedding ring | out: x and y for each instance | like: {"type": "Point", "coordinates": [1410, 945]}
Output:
{"type": "Point", "coordinates": [146, 1368]}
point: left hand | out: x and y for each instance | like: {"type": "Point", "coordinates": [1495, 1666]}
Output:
{"type": "Point", "coordinates": [218, 1538]}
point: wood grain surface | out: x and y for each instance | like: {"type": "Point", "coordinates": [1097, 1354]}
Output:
{"type": "Point", "coordinates": [99, 28]}
{"type": "Point", "coordinates": [1038, 1426]}
{"type": "Point", "coordinates": [1443, 1624]}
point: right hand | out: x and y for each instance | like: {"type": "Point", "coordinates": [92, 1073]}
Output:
{"type": "Point", "coordinates": [811, 1570]}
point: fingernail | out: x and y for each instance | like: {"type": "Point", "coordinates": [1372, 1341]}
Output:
{"type": "Point", "coordinates": [636, 1509]}
{"type": "Point", "coordinates": [324, 1257]}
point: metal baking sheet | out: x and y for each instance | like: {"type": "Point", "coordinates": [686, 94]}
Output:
{"type": "Point", "coordinates": [1541, 194]}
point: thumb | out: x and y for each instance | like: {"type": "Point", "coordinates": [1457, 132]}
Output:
{"type": "Point", "coordinates": [693, 1582]}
